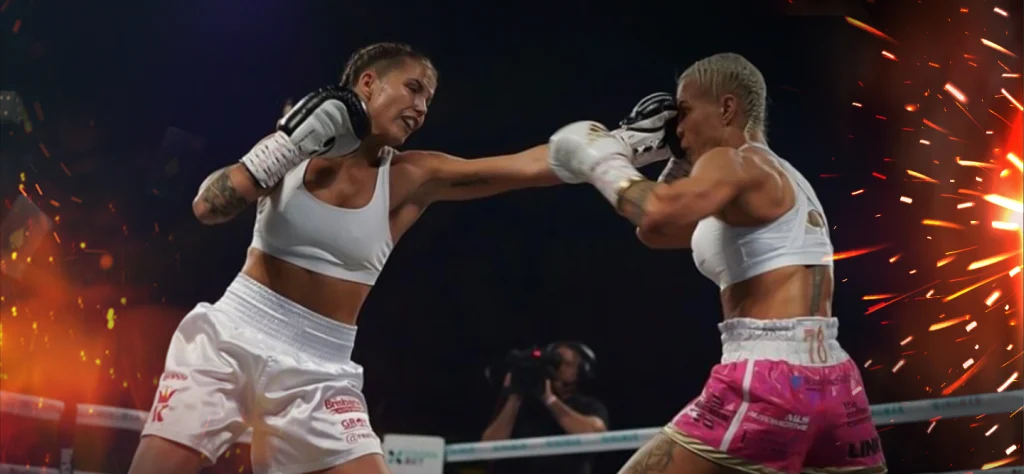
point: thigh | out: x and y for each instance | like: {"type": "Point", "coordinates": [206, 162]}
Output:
{"type": "Point", "coordinates": [313, 417]}
{"type": "Point", "coordinates": [160, 456]}
{"type": "Point", "coordinates": [845, 438]}
{"type": "Point", "coordinates": [663, 455]}
{"type": "Point", "coordinates": [369, 464]}
{"type": "Point", "coordinates": [199, 402]}
{"type": "Point", "coordinates": [748, 417]}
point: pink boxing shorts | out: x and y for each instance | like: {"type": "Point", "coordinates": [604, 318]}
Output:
{"type": "Point", "coordinates": [785, 399]}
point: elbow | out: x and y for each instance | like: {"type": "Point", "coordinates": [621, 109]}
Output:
{"type": "Point", "coordinates": [203, 213]}
{"type": "Point", "coordinates": [599, 426]}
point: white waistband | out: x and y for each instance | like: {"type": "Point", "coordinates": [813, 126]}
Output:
{"type": "Point", "coordinates": [283, 320]}
{"type": "Point", "coordinates": [808, 341]}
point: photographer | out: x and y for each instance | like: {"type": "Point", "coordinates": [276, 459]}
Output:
{"type": "Point", "coordinates": [541, 398]}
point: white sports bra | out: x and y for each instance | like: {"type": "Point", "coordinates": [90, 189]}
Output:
{"type": "Point", "coordinates": [728, 254]}
{"type": "Point", "coordinates": [349, 244]}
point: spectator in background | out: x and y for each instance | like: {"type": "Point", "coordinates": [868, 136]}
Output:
{"type": "Point", "coordinates": [541, 398]}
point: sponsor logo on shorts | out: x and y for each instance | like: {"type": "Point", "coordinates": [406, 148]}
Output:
{"type": "Point", "coordinates": [354, 438]}
{"type": "Point", "coordinates": [792, 421]}
{"type": "Point", "coordinates": [856, 414]}
{"type": "Point", "coordinates": [343, 404]}
{"type": "Point", "coordinates": [358, 422]}
{"type": "Point", "coordinates": [173, 375]}
{"type": "Point", "coordinates": [706, 409]}
{"type": "Point", "coordinates": [163, 401]}
{"type": "Point", "coordinates": [864, 448]}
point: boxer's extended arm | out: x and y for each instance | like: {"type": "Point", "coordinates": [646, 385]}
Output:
{"type": "Point", "coordinates": [458, 179]}
{"type": "Point", "coordinates": [670, 211]}
{"type": "Point", "coordinates": [572, 421]}
{"type": "Point", "coordinates": [225, 193]}
{"type": "Point", "coordinates": [501, 427]}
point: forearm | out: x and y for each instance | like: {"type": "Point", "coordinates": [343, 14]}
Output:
{"type": "Point", "coordinates": [572, 421]}
{"type": "Point", "coordinates": [501, 427]}
{"type": "Point", "coordinates": [224, 194]}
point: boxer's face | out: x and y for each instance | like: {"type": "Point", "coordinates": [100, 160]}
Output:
{"type": "Point", "coordinates": [568, 370]}
{"type": "Point", "coordinates": [702, 120]}
{"type": "Point", "coordinates": [398, 100]}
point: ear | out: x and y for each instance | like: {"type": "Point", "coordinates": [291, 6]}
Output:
{"type": "Point", "coordinates": [366, 82]}
{"type": "Point", "coordinates": [729, 108]}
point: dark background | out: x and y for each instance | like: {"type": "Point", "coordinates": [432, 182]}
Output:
{"type": "Point", "coordinates": [473, 280]}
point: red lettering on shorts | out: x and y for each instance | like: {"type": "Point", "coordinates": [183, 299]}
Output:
{"type": "Point", "coordinates": [342, 405]}
{"type": "Point", "coordinates": [163, 400]}
{"type": "Point", "coordinates": [173, 375]}
{"type": "Point", "coordinates": [355, 423]}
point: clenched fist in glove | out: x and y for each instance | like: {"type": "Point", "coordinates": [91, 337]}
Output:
{"type": "Point", "coordinates": [329, 122]}
{"type": "Point", "coordinates": [586, 151]}
{"type": "Point", "coordinates": [650, 130]}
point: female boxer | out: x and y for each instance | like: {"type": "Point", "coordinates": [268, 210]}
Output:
{"type": "Point", "coordinates": [786, 397]}
{"type": "Point", "coordinates": [334, 197]}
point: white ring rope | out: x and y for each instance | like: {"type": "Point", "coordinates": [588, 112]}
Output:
{"type": "Point", "coordinates": [883, 414]}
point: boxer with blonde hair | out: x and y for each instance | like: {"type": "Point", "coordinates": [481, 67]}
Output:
{"type": "Point", "coordinates": [786, 398]}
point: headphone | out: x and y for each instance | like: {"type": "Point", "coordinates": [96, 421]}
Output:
{"type": "Point", "coordinates": [587, 358]}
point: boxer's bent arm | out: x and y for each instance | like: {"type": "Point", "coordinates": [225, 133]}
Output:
{"type": "Point", "coordinates": [458, 179]}
{"type": "Point", "coordinates": [670, 211]}
{"type": "Point", "coordinates": [679, 240]}
{"type": "Point", "coordinates": [225, 193]}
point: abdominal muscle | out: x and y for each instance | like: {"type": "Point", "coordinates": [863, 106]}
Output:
{"type": "Point", "coordinates": [333, 298]}
{"type": "Point", "coordinates": [782, 293]}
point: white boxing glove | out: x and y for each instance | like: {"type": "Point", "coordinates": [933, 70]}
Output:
{"type": "Point", "coordinates": [649, 129]}
{"type": "Point", "coordinates": [329, 122]}
{"type": "Point", "coordinates": [586, 151]}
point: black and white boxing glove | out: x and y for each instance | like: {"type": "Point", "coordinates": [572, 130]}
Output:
{"type": "Point", "coordinates": [332, 121]}
{"type": "Point", "coordinates": [650, 130]}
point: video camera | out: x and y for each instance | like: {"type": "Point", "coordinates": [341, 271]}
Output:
{"type": "Point", "coordinates": [529, 369]}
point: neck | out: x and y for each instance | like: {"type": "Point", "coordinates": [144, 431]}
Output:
{"type": "Point", "coordinates": [368, 152]}
{"type": "Point", "coordinates": [736, 138]}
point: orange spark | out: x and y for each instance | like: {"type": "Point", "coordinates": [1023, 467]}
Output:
{"type": "Point", "coordinates": [869, 29]}
{"type": "Point", "coordinates": [921, 176]}
{"type": "Point", "coordinates": [965, 205]}
{"type": "Point", "coordinates": [857, 252]}
{"type": "Point", "coordinates": [910, 107]}
{"type": "Point", "coordinates": [906, 200]}
{"type": "Point", "coordinates": [938, 223]}
{"type": "Point", "coordinates": [1005, 225]}
{"type": "Point", "coordinates": [993, 297]}
{"type": "Point", "coordinates": [1005, 202]}
{"type": "Point", "coordinates": [992, 260]}
{"type": "Point", "coordinates": [996, 47]}
{"type": "Point", "coordinates": [951, 322]}
{"type": "Point", "coordinates": [949, 87]}
{"type": "Point", "coordinates": [999, 11]}
{"type": "Point", "coordinates": [944, 261]}
{"type": "Point", "coordinates": [1015, 160]}
{"type": "Point", "coordinates": [969, 288]}
{"type": "Point", "coordinates": [1010, 97]}
{"type": "Point", "coordinates": [964, 378]}
{"type": "Point", "coordinates": [932, 125]}
{"type": "Point", "coordinates": [887, 303]}
{"type": "Point", "coordinates": [889, 55]}
{"type": "Point", "coordinates": [857, 192]}
{"type": "Point", "coordinates": [878, 297]}
{"type": "Point", "coordinates": [1001, 462]}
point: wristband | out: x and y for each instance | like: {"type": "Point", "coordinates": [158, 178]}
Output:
{"type": "Point", "coordinates": [271, 159]}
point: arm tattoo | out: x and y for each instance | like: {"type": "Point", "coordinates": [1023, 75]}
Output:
{"type": "Point", "coordinates": [633, 199]}
{"type": "Point", "coordinates": [817, 279]}
{"type": "Point", "coordinates": [221, 197]}
{"type": "Point", "coordinates": [653, 458]}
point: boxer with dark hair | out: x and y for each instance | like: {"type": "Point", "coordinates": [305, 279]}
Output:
{"type": "Point", "coordinates": [786, 398]}
{"type": "Point", "coordinates": [334, 197]}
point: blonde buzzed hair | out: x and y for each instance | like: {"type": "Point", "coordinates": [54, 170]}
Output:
{"type": "Point", "coordinates": [730, 73]}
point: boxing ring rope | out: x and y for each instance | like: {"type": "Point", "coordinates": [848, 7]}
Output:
{"type": "Point", "coordinates": [882, 415]}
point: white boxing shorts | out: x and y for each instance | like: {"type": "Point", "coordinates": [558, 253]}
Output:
{"type": "Point", "coordinates": [256, 359]}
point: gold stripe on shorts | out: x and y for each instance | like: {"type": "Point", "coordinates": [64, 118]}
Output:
{"type": "Point", "coordinates": [880, 469]}
{"type": "Point", "coordinates": [714, 455]}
